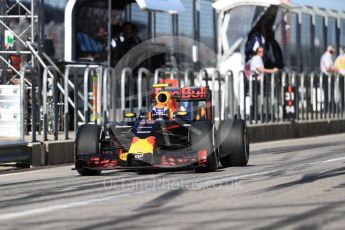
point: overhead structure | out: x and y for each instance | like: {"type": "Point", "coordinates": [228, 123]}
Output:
{"type": "Point", "coordinates": [114, 9]}
{"type": "Point", "coordinates": [170, 6]}
{"type": "Point", "coordinates": [224, 5]}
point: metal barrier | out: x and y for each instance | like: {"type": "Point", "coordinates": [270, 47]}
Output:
{"type": "Point", "coordinates": [294, 83]}
{"type": "Point", "coordinates": [126, 73]}
{"type": "Point", "coordinates": [273, 93]}
{"type": "Point", "coordinates": [157, 74]}
{"type": "Point", "coordinates": [216, 76]}
{"type": "Point", "coordinates": [175, 74]}
{"type": "Point", "coordinates": [77, 95]}
{"type": "Point", "coordinates": [144, 71]}
{"type": "Point", "coordinates": [321, 96]}
{"type": "Point", "coordinates": [203, 75]}
{"type": "Point", "coordinates": [228, 93]}
{"type": "Point", "coordinates": [188, 77]}
{"type": "Point", "coordinates": [67, 99]}
{"type": "Point", "coordinates": [45, 104]}
{"type": "Point", "coordinates": [251, 95]}
{"type": "Point", "coordinates": [313, 97]}
{"type": "Point", "coordinates": [86, 94]}
{"type": "Point", "coordinates": [22, 105]}
{"type": "Point", "coordinates": [242, 87]}
{"type": "Point", "coordinates": [33, 102]}
{"type": "Point", "coordinates": [108, 72]}
{"type": "Point", "coordinates": [262, 100]}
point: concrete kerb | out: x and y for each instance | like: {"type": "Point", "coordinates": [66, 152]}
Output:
{"type": "Point", "coordinates": [59, 152]}
{"type": "Point", "coordinates": [38, 154]}
{"type": "Point", "coordinates": [52, 152]}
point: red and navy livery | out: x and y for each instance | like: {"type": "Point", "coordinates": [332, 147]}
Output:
{"type": "Point", "coordinates": [177, 133]}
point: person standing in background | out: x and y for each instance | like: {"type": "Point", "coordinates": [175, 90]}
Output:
{"type": "Point", "coordinates": [257, 63]}
{"type": "Point", "coordinates": [256, 39]}
{"type": "Point", "coordinates": [130, 36]}
{"type": "Point", "coordinates": [327, 69]}
{"type": "Point", "coordinates": [326, 62]}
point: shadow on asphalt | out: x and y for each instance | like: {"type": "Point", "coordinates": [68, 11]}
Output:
{"type": "Point", "coordinates": [305, 179]}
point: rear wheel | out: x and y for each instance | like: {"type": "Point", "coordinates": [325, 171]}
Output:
{"type": "Point", "coordinates": [233, 143]}
{"type": "Point", "coordinates": [202, 137]}
{"type": "Point", "coordinates": [87, 142]}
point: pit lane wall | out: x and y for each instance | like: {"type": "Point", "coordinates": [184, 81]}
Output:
{"type": "Point", "coordinates": [61, 152]}
{"type": "Point", "coordinates": [289, 130]}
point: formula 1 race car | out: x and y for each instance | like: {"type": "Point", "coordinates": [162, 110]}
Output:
{"type": "Point", "coordinates": [177, 133]}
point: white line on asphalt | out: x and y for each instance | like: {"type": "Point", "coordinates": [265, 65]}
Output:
{"type": "Point", "coordinates": [66, 206]}
{"type": "Point", "coordinates": [125, 194]}
{"type": "Point", "coordinates": [20, 173]}
{"type": "Point", "coordinates": [335, 159]}
{"type": "Point", "coordinates": [33, 171]}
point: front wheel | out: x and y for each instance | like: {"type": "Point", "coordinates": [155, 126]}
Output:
{"type": "Point", "coordinates": [87, 142]}
{"type": "Point", "coordinates": [202, 137]}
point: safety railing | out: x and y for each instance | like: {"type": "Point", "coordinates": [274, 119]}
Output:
{"type": "Point", "coordinates": [229, 94]}
{"type": "Point", "coordinates": [217, 97]}
{"type": "Point", "coordinates": [76, 85]}
{"type": "Point", "coordinates": [265, 95]}
{"type": "Point", "coordinates": [22, 106]}
{"type": "Point", "coordinates": [203, 77]}
{"type": "Point", "coordinates": [25, 70]}
{"type": "Point", "coordinates": [127, 76]}
{"type": "Point", "coordinates": [159, 74]}
{"type": "Point", "coordinates": [274, 98]}
{"type": "Point", "coordinates": [188, 77]}
{"type": "Point", "coordinates": [147, 87]}
{"type": "Point", "coordinates": [62, 87]}
{"type": "Point", "coordinates": [49, 106]}
{"type": "Point", "coordinates": [109, 100]}
{"type": "Point", "coordinates": [291, 96]}
{"type": "Point", "coordinates": [174, 73]}
{"type": "Point", "coordinates": [54, 119]}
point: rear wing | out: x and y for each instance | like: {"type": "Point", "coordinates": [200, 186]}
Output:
{"type": "Point", "coordinates": [202, 93]}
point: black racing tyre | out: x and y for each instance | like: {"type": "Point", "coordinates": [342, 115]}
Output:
{"type": "Point", "coordinates": [89, 172]}
{"type": "Point", "coordinates": [202, 136]}
{"type": "Point", "coordinates": [87, 142]}
{"type": "Point", "coordinates": [233, 143]}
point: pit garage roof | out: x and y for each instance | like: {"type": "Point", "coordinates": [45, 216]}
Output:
{"type": "Point", "coordinates": [224, 5]}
